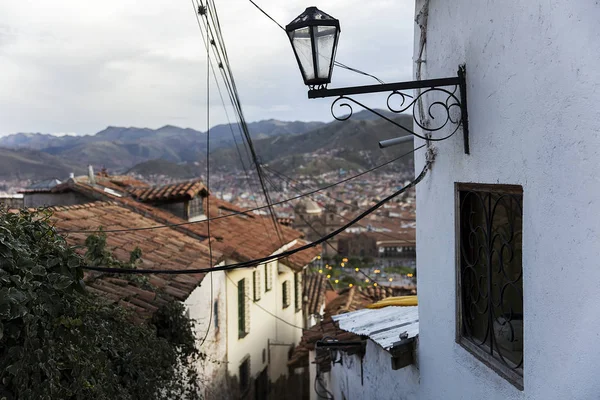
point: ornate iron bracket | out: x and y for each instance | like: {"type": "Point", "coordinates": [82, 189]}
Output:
{"type": "Point", "coordinates": [449, 102]}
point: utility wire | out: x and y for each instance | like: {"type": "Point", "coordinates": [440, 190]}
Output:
{"type": "Point", "coordinates": [238, 107]}
{"type": "Point", "coordinates": [208, 65]}
{"type": "Point", "coordinates": [250, 209]}
{"type": "Point", "coordinates": [278, 256]}
{"type": "Point", "coordinates": [327, 242]}
{"type": "Point", "coordinates": [290, 181]}
{"type": "Point", "coordinates": [209, 42]}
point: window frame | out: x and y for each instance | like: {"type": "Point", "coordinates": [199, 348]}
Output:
{"type": "Point", "coordinates": [193, 205]}
{"type": "Point", "coordinates": [243, 309]}
{"type": "Point", "coordinates": [297, 291]}
{"type": "Point", "coordinates": [256, 284]}
{"type": "Point", "coordinates": [268, 277]}
{"type": "Point", "coordinates": [285, 294]}
{"type": "Point", "coordinates": [482, 355]}
{"type": "Point", "coordinates": [245, 386]}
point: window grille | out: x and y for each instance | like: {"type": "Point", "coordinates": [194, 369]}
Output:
{"type": "Point", "coordinates": [490, 276]}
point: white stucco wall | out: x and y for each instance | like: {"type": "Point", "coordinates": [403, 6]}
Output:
{"type": "Point", "coordinates": [200, 304]}
{"type": "Point", "coordinates": [264, 327]}
{"type": "Point", "coordinates": [378, 381]}
{"type": "Point", "coordinates": [533, 81]}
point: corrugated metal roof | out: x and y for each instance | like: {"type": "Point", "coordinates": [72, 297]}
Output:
{"type": "Point", "coordinates": [383, 326]}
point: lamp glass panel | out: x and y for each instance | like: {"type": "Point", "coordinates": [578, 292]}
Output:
{"type": "Point", "coordinates": [301, 41]}
{"type": "Point", "coordinates": [325, 40]}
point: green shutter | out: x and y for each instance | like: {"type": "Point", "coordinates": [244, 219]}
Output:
{"type": "Point", "coordinates": [241, 308]}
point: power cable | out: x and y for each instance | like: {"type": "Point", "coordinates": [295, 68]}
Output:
{"type": "Point", "coordinates": [202, 10]}
{"type": "Point", "coordinates": [329, 244]}
{"type": "Point", "coordinates": [274, 256]}
{"type": "Point", "coordinates": [290, 181]}
{"type": "Point", "coordinates": [250, 209]}
{"type": "Point", "coordinates": [238, 107]}
{"type": "Point", "coordinates": [208, 65]}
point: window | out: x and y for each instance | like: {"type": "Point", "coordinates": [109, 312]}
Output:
{"type": "Point", "coordinates": [268, 277]}
{"type": "Point", "coordinates": [195, 207]}
{"type": "Point", "coordinates": [216, 314]}
{"type": "Point", "coordinates": [285, 292]}
{"type": "Point", "coordinates": [297, 292]}
{"type": "Point", "coordinates": [244, 373]}
{"type": "Point", "coordinates": [490, 276]}
{"type": "Point", "coordinates": [243, 309]}
{"type": "Point", "coordinates": [256, 282]}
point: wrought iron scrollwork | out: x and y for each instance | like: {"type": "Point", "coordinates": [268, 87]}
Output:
{"type": "Point", "coordinates": [436, 121]}
{"type": "Point", "coordinates": [449, 109]}
{"type": "Point", "coordinates": [491, 274]}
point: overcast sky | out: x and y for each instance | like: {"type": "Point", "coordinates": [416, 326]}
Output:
{"type": "Point", "coordinates": [72, 66]}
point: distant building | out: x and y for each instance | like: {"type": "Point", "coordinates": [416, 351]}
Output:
{"type": "Point", "coordinates": [11, 200]}
{"type": "Point", "coordinates": [316, 222]}
{"type": "Point", "coordinates": [385, 248]}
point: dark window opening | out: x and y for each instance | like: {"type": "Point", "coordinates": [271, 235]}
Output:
{"type": "Point", "coordinates": [285, 293]}
{"type": "Point", "coordinates": [244, 373]}
{"type": "Point", "coordinates": [490, 276]}
{"type": "Point", "coordinates": [243, 309]}
{"type": "Point", "coordinates": [195, 207]}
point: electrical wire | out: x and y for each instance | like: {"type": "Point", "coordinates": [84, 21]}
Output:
{"type": "Point", "coordinates": [250, 209]}
{"type": "Point", "coordinates": [210, 315]}
{"type": "Point", "coordinates": [329, 244]}
{"type": "Point", "coordinates": [208, 41]}
{"type": "Point", "coordinates": [290, 181]}
{"type": "Point", "coordinates": [252, 263]}
{"type": "Point", "coordinates": [238, 107]}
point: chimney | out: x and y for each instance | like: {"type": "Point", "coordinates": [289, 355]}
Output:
{"type": "Point", "coordinates": [91, 177]}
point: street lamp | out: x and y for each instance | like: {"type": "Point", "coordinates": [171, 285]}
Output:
{"type": "Point", "coordinates": [314, 37]}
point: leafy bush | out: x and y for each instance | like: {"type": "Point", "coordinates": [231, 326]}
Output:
{"type": "Point", "coordinates": [59, 342]}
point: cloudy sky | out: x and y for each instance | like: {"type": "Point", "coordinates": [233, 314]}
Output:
{"type": "Point", "coordinates": [72, 66]}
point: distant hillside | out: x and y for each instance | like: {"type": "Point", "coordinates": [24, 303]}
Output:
{"type": "Point", "coordinates": [32, 164]}
{"type": "Point", "coordinates": [122, 148]}
{"type": "Point", "coordinates": [313, 147]}
{"type": "Point", "coordinates": [355, 141]}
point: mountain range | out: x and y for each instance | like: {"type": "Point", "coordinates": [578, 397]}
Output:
{"type": "Point", "coordinates": [173, 151]}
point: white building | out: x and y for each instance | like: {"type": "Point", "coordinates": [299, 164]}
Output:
{"type": "Point", "coordinates": [508, 237]}
{"type": "Point", "coordinates": [533, 88]}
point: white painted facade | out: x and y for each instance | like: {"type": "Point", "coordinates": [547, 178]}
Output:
{"type": "Point", "coordinates": [533, 78]}
{"type": "Point", "coordinates": [207, 307]}
{"type": "Point", "coordinates": [267, 335]}
{"type": "Point", "coordinates": [370, 378]}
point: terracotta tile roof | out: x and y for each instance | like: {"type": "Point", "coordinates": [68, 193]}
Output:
{"type": "Point", "coordinates": [314, 293]}
{"type": "Point", "coordinates": [381, 292]}
{"type": "Point", "coordinates": [160, 217]}
{"type": "Point", "coordinates": [298, 260]}
{"type": "Point", "coordinates": [175, 191]}
{"type": "Point", "coordinates": [348, 300]}
{"type": "Point", "coordinates": [241, 237]}
{"type": "Point", "coordinates": [247, 236]}
{"type": "Point", "coordinates": [161, 249]}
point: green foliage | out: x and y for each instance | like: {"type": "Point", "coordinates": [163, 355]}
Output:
{"type": "Point", "coordinates": [59, 342]}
